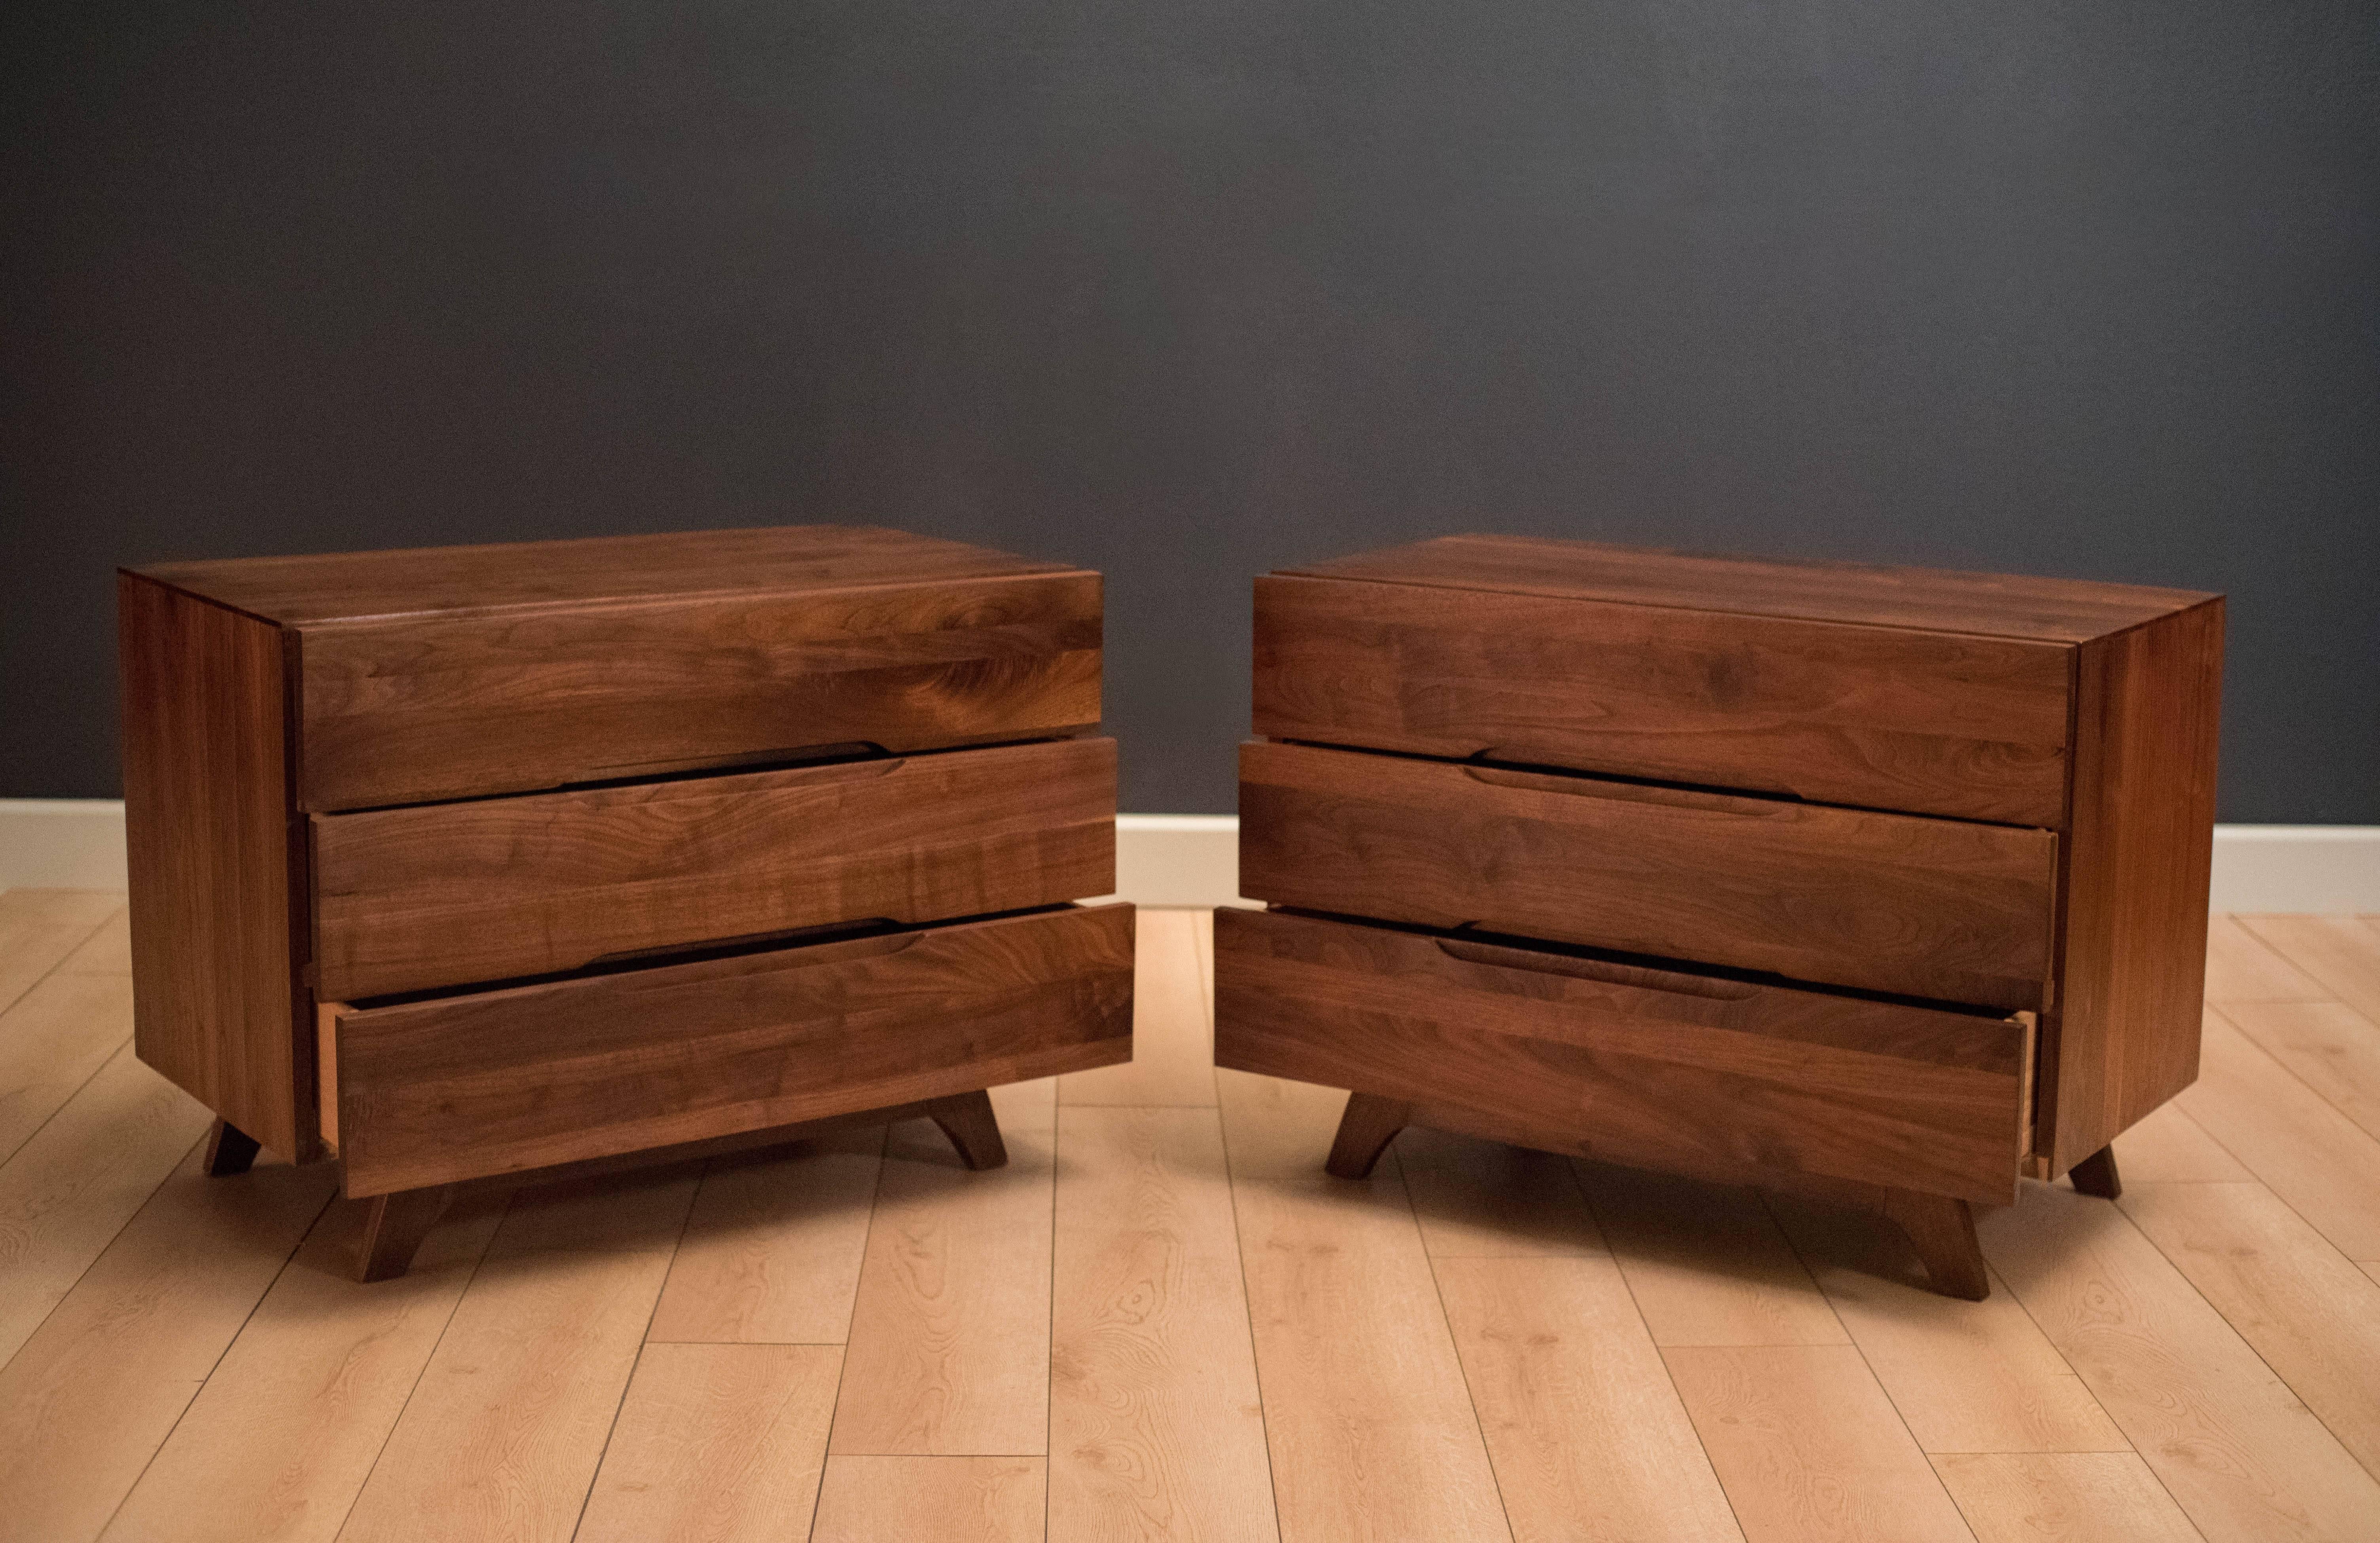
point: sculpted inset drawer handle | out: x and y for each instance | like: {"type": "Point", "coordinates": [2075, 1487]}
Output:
{"type": "Point", "coordinates": [1596, 969]}
{"type": "Point", "coordinates": [1624, 793]}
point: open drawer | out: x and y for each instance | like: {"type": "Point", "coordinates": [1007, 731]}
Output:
{"type": "Point", "coordinates": [466, 1085]}
{"type": "Point", "coordinates": [1642, 1065]}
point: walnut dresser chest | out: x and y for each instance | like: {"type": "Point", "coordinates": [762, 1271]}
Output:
{"type": "Point", "coordinates": [473, 862]}
{"type": "Point", "coordinates": [1882, 884]}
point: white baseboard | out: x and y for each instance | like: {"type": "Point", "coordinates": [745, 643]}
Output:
{"type": "Point", "coordinates": [61, 844]}
{"type": "Point", "coordinates": [1193, 859]}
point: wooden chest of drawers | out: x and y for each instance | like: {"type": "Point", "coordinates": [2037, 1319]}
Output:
{"type": "Point", "coordinates": [1882, 883]}
{"type": "Point", "coordinates": [465, 862]}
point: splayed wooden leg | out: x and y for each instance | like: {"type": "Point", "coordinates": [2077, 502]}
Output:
{"type": "Point", "coordinates": [1944, 1230]}
{"type": "Point", "coordinates": [2095, 1175]}
{"type": "Point", "coordinates": [229, 1151]}
{"type": "Point", "coordinates": [967, 1120]}
{"type": "Point", "coordinates": [1365, 1132]}
{"type": "Point", "coordinates": [393, 1228]}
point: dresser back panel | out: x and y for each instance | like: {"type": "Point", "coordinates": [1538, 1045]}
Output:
{"type": "Point", "coordinates": [216, 894]}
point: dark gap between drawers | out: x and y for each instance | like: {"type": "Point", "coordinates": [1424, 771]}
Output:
{"type": "Point", "coordinates": [771, 942]}
{"type": "Point", "coordinates": [1766, 795]}
{"type": "Point", "coordinates": [807, 758]}
{"type": "Point", "coordinates": [1648, 961]}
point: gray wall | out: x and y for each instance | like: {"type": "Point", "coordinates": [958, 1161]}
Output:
{"type": "Point", "coordinates": [1186, 290]}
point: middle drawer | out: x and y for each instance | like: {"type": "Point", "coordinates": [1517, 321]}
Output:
{"type": "Point", "coordinates": [1938, 908]}
{"type": "Point", "coordinates": [446, 894]}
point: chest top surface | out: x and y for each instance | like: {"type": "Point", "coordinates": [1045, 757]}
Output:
{"type": "Point", "coordinates": [777, 559]}
{"type": "Point", "coordinates": [2058, 609]}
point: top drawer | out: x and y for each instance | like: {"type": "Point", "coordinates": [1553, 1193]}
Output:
{"type": "Point", "coordinates": [451, 704]}
{"type": "Point", "coordinates": [1883, 717]}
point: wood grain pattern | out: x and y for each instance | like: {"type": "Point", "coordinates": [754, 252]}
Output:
{"type": "Point", "coordinates": [2241, 967]}
{"type": "Point", "coordinates": [2304, 1151]}
{"type": "Point", "coordinates": [2062, 1498]}
{"type": "Point", "coordinates": [218, 899]}
{"type": "Point", "coordinates": [51, 1040]}
{"type": "Point", "coordinates": [73, 1184]}
{"type": "Point", "coordinates": [2308, 1311]}
{"type": "Point", "coordinates": [41, 929]}
{"type": "Point", "coordinates": [716, 1443]}
{"type": "Point", "coordinates": [2123, 1034]}
{"type": "Point", "coordinates": [349, 586]}
{"type": "Point", "coordinates": [1966, 1376]}
{"type": "Point", "coordinates": [771, 1253]}
{"type": "Point", "coordinates": [1855, 1475]}
{"type": "Point", "coordinates": [1929, 907]}
{"type": "Point", "coordinates": [1154, 1427]}
{"type": "Point", "coordinates": [465, 1087]}
{"type": "Point", "coordinates": [1476, 1198]}
{"type": "Point", "coordinates": [2327, 1045]}
{"type": "Point", "coordinates": [502, 1434]}
{"type": "Point", "coordinates": [2001, 605]}
{"type": "Point", "coordinates": [1648, 1062]}
{"type": "Point", "coordinates": [449, 893]}
{"type": "Point", "coordinates": [2170, 1147]}
{"type": "Point", "coordinates": [1588, 1434]}
{"type": "Point", "coordinates": [278, 1443]}
{"type": "Point", "coordinates": [2341, 953]}
{"type": "Point", "coordinates": [1371, 1428]}
{"type": "Point", "coordinates": [949, 1351]}
{"type": "Point", "coordinates": [1707, 1262]}
{"type": "Point", "coordinates": [982, 1499]}
{"type": "Point", "coordinates": [89, 1398]}
{"type": "Point", "coordinates": [453, 704]}
{"type": "Point", "coordinates": [1931, 721]}
{"type": "Point", "coordinates": [1173, 1062]}
{"type": "Point", "coordinates": [2246, 1460]}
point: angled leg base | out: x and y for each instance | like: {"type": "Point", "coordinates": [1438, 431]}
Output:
{"type": "Point", "coordinates": [229, 1151]}
{"type": "Point", "coordinates": [1944, 1230]}
{"type": "Point", "coordinates": [1365, 1132]}
{"type": "Point", "coordinates": [967, 1120]}
{"type": "Point", "coordinates": [2096, 1175]}
{"type": "Point", "coordinates": [393, 1228]}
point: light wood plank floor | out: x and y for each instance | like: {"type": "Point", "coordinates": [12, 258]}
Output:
{"type": "Point", "coordinates": [1163, 1321]}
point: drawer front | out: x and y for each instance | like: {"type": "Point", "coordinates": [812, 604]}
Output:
{"type": "Point", "coordinates": [409, 708]}
{"type": "Point", "coordinates": [498, 1082]}
{"type": "Point", "coordinates": [1641, 1065]}
{"type": "Point", "coordinates": [445, 894]}
{"type": "Point", "coordinates": [1885, 717]}
{"type": "Point", "coordinates": [1890, 903]}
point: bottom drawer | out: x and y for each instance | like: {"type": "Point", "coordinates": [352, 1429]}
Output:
{"type": "Point", "coordinates": [1640, 1065]}
{"type": "Point", "coordinates": [468, 1085]}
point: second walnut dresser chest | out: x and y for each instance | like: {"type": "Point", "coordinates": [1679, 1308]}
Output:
{"type": "Point", "coordinates": [1884, 884]}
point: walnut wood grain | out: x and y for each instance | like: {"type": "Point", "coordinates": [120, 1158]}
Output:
{"type": "Point", "coordinates": [1925, 721]}
{"type": "Point", "coordinates": [1996, 605]}
{"type": "Point", "coordinates": [1625, 1067]}
{"type": "Point", "coordinates": [449, 893]}
{"type": "Point", "coordinates": [217, 898]}
{"type": "Point", "coordinates": [348, 586]}
{"type": "Point", "coordinates": [465, 1087]}
{"type": "Point", "coordinates": [452, 704]}
{"type": "Point", "coordinates": [1929, 908]}
{"type": "Point", "coordinates": [2123, 1036]}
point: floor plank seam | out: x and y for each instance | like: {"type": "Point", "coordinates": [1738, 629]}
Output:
{"type": "Point", "coordinates": [11, 1156]}
{"type": "Point", "coordinates": [59, 962]}
{"type": "Point", "coordinates": [660, 1290]}
{"type": "Point", "coordinates": [423, 1370]}
{"type": "Point", "coordinates": [201, 1386]}
{"type": "Point", "coordinates": [1247, 1303]}
{"type": "Point", "coordinates": [827, 1454]}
